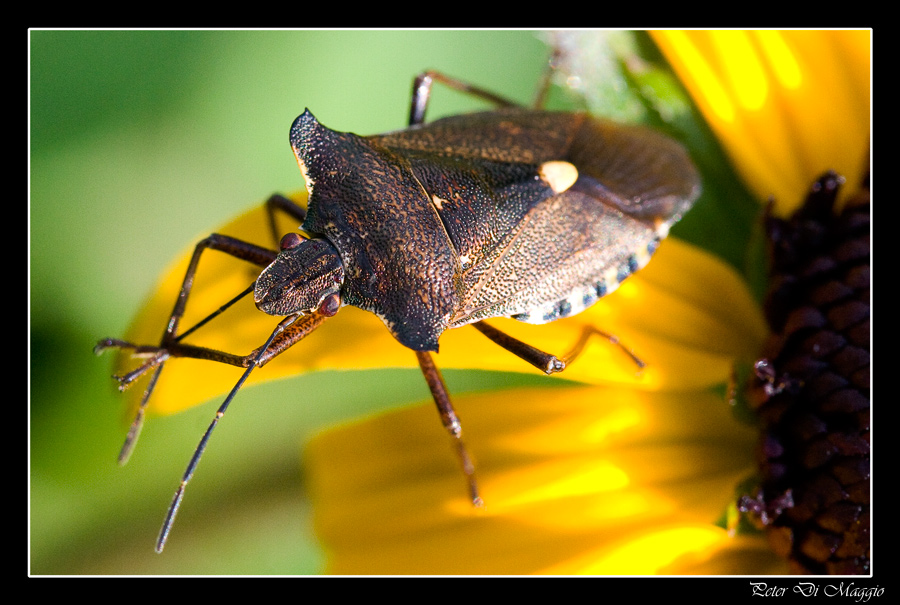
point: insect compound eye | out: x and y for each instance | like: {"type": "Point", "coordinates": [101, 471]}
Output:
{"type": "Point", "coordinates": [330, 305]}
{"type": "Point", "coordinates": [290, 240]}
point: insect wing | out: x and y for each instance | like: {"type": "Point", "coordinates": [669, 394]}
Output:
{"type": "Point", "coordinates": [478, 201]}
{"type": "Point", "coordinates": [539, 256]}
{"type": "Point", "coordinates": [482, 172]}
{"type": "Point", "coordinates": [642, 172]}
{"type": "Point", "coordinates": [570, 251]}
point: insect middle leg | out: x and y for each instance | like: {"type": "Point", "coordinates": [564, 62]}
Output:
{"type": "Point", "coordinates": [449, 419]}
{"type": "Point", "coordinates": [547, 362]}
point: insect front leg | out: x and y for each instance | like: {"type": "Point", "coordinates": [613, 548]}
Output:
{"type": "Point", "coordinates": [546, 362]}
{"type": "Point", "coordinates": [170, 345]}
{"type": "Point", "coordinates": [449, 419]}
{"type": "Point", "coordinates": [170, 340]}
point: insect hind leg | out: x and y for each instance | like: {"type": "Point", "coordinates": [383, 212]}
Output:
{"type": "Point", "coordinates": [547, 362]}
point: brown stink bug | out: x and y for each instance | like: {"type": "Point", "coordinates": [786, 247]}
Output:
{"type": "Point", "coordinates": [517, 212]}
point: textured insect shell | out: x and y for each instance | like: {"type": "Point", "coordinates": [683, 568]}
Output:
{"type": "Point", "coordinates": [527, 251]}
{"type": "Point", "coordinates": [450, 222]}
{"type": "Point", "coordinates": [398, 262]}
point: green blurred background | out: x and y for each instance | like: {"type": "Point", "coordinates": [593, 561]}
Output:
{"type": "Point", "coordinates": [141, 143]}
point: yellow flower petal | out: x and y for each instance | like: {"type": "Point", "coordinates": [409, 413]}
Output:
{"type": "Point", "coordinates": [786, 105]}
{"type": "Point", "coordinates": [730, 556]}
{"type": "Point", "coordinates": [575, 480]}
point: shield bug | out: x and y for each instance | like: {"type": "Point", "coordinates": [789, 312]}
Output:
{"type": "Point", "coordinates": [516, 212]}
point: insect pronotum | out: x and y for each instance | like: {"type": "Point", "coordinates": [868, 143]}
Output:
{"type": "Point", "coordinates": [515, 212]}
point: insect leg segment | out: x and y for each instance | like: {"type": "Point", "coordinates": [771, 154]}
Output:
{"type": "Point", "coordinates": [288, 337]}
{"type": "Point", "coordinates": [134, 430]}
{"type": "Point", "coordinates": [449, 419]}
{"type": "Point", "coordinates": [422, 92]}
{"type": "Point", "coordinates": [545, 362]}
{"type": "Point", "coordinates": [586, 333]}
{"type": "Point", "coordinates": [278, 202]}
{"type": "Point", "coordinates": [169, 345]}
{"type": "Point", "coordinates": [237, 248]}
{"type": "Point", "coordinates": [543, 87]}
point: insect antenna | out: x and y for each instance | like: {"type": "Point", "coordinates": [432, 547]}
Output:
{"type": "Point", "coordinates": [135, 429]}
{"type": "Point", "coordinates": [215, 313]}
{"type": "Point", "coordinates": [195, 459]}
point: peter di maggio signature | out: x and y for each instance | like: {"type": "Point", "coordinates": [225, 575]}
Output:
{"type": "Point", "coordinates": [850, 590]}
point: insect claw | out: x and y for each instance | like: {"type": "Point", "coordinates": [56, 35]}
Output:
{"type": "Point", "coordinates": [109, 343]}
{"type": "Point", "coordinates": [158, 358]}
{"type": "Point", "coordinates": [137, 350]}
{"type": "Point", "coordinates": [126, 380]}
{"type": "Point", "coordinates": [554, 365]}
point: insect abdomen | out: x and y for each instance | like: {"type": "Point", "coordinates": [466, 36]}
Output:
{"type": "Point", "coordinates": [584, 296]}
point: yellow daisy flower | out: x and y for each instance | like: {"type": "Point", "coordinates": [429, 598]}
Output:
{"type": "Point", "coordinates": [626, 472]}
